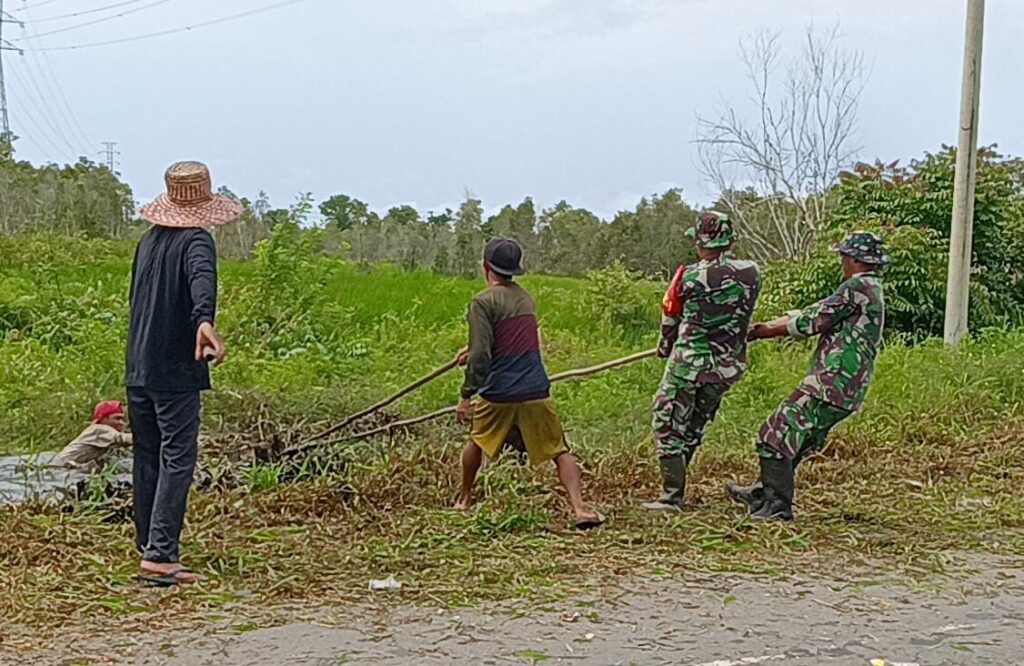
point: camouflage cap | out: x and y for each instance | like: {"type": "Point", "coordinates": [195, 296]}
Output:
{"type": "Point", "coordinates": [864, 246]}
{"type": "Point", "coordinates": [712, 230]}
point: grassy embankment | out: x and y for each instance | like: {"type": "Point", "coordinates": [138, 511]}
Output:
{"type": "Point", "coordinates": [932, 465]}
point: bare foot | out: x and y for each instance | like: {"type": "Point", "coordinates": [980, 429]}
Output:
{"type": "Point", "coordinates": [463, 503]}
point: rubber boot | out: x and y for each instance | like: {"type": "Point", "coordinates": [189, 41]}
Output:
{"type": "Point", "coordinates": [752, 495]}
{"type": "Point", "coordinates": [689, 454]}
{"type": "Point", "coordinates": [673, 485]}
{"type": "Point", "coordinates": [777, 477]}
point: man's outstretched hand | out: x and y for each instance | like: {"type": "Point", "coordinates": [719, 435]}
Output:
{"type": "Point", "coordinates": [209, 340]}
{"type": "Point", "coordinates": [776, 328]}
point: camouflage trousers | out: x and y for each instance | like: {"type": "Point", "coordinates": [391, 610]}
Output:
{"type": "Point", "coordinates": [799, 425]}
{"type": "Point", "coordinates": [682, 410]}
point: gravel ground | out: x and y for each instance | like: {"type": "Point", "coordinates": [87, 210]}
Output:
{"type": "Point", "coordinates": [710, 620]}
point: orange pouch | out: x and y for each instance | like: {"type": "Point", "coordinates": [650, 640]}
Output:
{"type": "Point", "coordinates": [671, 304]}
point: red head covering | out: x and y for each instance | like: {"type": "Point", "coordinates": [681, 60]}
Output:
{"type": "Point", "coordinates": [105, 410]}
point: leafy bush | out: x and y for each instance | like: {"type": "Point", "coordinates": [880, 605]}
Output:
{"type": "Point", "coordinates": [915, 280]}
{"type": "Point", "coordinates": [911, 208]}
{"type": "Point", "coordinates": [285, 302]}
{"type": "Point", "coordinates": [919, 198]}
{"type": "Point", "coordinates": [617, 300]}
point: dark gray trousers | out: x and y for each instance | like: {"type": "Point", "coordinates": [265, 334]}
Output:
{"type": "Point", "coordinates": [165, 427]}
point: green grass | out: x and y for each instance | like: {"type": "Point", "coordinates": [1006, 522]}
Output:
{"type": "Point", "coordinates": [931, 466]}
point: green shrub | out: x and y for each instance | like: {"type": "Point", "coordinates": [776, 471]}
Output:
{"type": "Point", "coordinates": [913, 205]}
{"type": "Point", "coordinates": [619, 303]}
{"type": "Point", "coordinates": [915, 280]}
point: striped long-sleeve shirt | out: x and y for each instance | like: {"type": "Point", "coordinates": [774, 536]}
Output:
{"type": "Point", "coordinates": [505, 363]}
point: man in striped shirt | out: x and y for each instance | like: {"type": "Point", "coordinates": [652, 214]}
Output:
{"type": "Point", "coordinates": [504, 370]}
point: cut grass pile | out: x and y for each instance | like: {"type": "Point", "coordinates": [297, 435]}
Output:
{"type": "Point", "coordinates": [932, 465]}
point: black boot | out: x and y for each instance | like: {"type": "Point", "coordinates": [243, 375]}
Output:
{"type": "Point", "coordinates": [752, 495]}
{"type": "Point", "coordinates": [673, 485]}
{"type": "Point", "coordinates": [777, 477]}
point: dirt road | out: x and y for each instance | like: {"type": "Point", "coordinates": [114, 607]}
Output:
{"type": "Point", "coordinates": [707, 621]}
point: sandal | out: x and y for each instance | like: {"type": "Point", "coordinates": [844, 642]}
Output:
{"type": "Point", "coordinates": [590, 523]}
{"type": "Point", "coordinates": [168, 579]}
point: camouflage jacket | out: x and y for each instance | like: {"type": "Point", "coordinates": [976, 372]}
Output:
{"type": "Point", "coordinates": [707, 342]}
{"type": "Point", "coordinates": [850, 324]}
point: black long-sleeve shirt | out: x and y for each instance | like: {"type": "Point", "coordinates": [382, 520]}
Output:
{"type": "Point", "coordinates": [174, 290]}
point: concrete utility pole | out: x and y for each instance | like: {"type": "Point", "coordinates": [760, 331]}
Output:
{"type": "Point", "coordinates": [961, 231]}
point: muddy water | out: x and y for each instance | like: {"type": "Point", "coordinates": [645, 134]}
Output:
{"type": "Point", "coordinates": [711, 621]}
{"type": "Point", "coordinates": [32, 477]}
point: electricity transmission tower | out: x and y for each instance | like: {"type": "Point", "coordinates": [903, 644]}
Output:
{"type": "Point", "coordinates": [110, 154]}
{"type": "Point", "coordinates": [5, 123]}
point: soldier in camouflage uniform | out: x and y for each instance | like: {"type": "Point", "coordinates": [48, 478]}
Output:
{"type": "Point", "coordinates": [706, 348]}
{"type": "Point", "coordinates": [849, 323]}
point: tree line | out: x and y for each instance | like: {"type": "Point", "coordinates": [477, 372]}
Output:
{"type": "Point", "coordinates": [563, 239]}
{"type": "Point", "coordinates": [910, 205]}
{"type": "Point", "coordinates": [785, 172]}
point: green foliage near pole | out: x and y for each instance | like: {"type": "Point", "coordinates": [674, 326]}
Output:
{"type": "Point", "coordinates": [911, 207]}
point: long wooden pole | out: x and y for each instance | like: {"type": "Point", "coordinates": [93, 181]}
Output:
{"type": "Point", "coordinates": [610, 365]}
{"type": "Point", "coordinates": [962, 227]}
{"type": "Point", "coordinates": [559, 377]}
{"type": "Point", "coordinates": [391, 399]}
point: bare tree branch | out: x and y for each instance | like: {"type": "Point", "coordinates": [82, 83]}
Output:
{"type": "Point", "coordinates": [773, 174]}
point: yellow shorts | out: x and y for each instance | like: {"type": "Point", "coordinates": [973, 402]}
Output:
{"type": "Point", "coordinates": [537, 421]}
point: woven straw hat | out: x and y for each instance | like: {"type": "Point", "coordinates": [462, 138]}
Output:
{"type": "Point", "coordinates": [189, 201]}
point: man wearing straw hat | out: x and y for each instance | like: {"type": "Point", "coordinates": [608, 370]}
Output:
{"type": "Point", "coordinates": [171, 337]}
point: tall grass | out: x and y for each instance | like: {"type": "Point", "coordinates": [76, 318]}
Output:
{"type": "Point", "coordinates": [314, 339]}
{"type": "Point", "coordinates": [366, 332]}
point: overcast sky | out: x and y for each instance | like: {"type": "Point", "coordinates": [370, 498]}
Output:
{"type": "Point", "coordinates": [418, 101]}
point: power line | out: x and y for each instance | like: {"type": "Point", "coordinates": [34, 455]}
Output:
{"type": "Point", "coordinates": [53, 110]}
{"type": "Point", "coordinates": [32, 139]}
{"type": "Point", "coordinates": [103, 19]}
{"type": "Point", "coordinates": [76, 127]}
{"type": "Point", "coordinates": [39, 110]}
{"type": "Point", "coordinates": [194, 26]}
{"type": "Point", "coordinates": [40, 131]}
{"type": "Point", "coordinates": [47, 19]}
{"type": "Point", "coordinates": [38, 4]}
{"type": "Point", "coordinates": [41, 107]}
